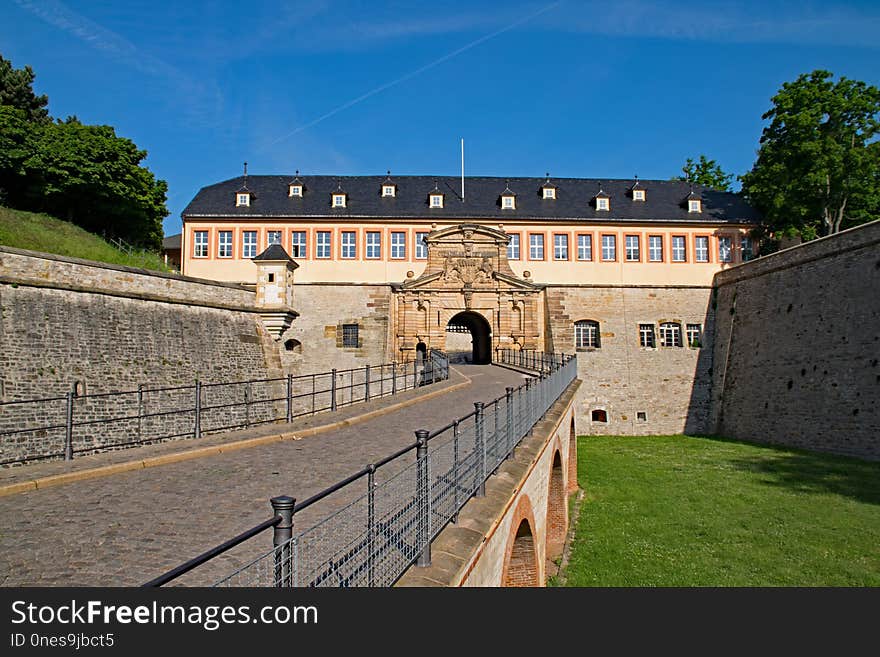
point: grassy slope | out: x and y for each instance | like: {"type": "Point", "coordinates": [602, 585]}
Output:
{"type": "Point", "coordinates": [682, 511]}
{"type": "Point", "coordinates": [40, 232]}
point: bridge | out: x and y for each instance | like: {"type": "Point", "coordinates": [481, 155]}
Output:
{"type": "Point", "coordinates": [122, 518]}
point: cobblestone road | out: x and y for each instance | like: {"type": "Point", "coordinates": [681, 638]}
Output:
{"type": "Point", "coordinates": [124, 529]}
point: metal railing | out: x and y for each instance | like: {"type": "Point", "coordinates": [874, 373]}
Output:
{"type": "Point", "coordinates": [74, 423]}
{"type": "Point", "coordinates": [375, 534]}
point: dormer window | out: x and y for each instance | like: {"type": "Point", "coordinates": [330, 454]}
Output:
{"type": "Point", "coordinates": [242, 199]}
{"type": "Point", "coordinates": [508, 202]}
{"type": "Point", "coordinates": [295, 190]}
{"type": "Point", "coordinates": [602, 203]}
{"type": "Point", "coordinates": [388, 190]}
{"type": "Point", "coordinates": [550, 192]}
{"type": "Point", "coordinates": [338, 200]}
{"type": "Point", "coordinates": [638, 195]}
{"type": "Point", "coordinates": [695, 205]}
{"type": "Point", "coordinates": [436, 200]}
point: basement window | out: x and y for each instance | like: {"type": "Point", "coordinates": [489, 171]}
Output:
{"type": "Point", "coordinates": [599, 415]}
{"type": "Point", "coordinates": [350, 335]}
{"type": "Point", "coordinates": [641, 416]}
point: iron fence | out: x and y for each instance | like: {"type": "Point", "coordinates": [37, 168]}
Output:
{"type": "Point", "coordinates": [77, 422]}
{"type": "Point", "coordinates": [376, 532]}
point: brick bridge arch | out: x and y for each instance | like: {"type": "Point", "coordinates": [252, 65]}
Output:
{"type": "Point", "coordinates": [522, 567]}
{"type": "Point", "coordinates": [557, 508]}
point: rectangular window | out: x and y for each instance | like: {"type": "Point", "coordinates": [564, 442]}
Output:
{"type": "Point", "coordinates": [536, 246]}
{"type": "Point", "coordinates": [609, 247]}
{"type": "Point", "coordinates": [585, 247]}
{"type": "Point", "coordinates": [322, 244]}
{"type": "Point", "coordinates": [560, 247]}
{"type": "Point", "coordinates": [646, 336]}
{"type": "Point", "coordinates": [350, 335]}
{"type": "Point", "coordinates": [724, 249]}
{"type": "Point", "coordinates": [701, 249]}
{"type": "Point", "coordinates": [338, 200]}
{"type": "Point", "coordinates": [421, 246]}
{"type": "Point", "coordinates": [633, 250]}
{"type": "Point", "coordinates": [298, 244]}
{"type": "Point", "coordinates": [201, 244]}
{"type": "Point", "coordinates": [374, 245]}
{"type": "Point", "coordinates": [436, 201]}
{"type": "Point", "coordinates": [513, 247]}
{"type": "Point", "coordinates": [273, 237]}
{"type": "Point", "coordinates": [679, 250]}
{"type": "Point", "coordinates": [249, 244]}
{"type": "Point", "coordinates": [586, 334]}
{"type": "Point", "coordinates": [670, 334]}
{"type": "Point", "coordinates": [655, 248]}
{"type": "Point", "coordinates": [224, 244]}
{"type": "Point", "coordinates": [746, 245]}
{"type": "Point", "coordinates": [398, 245]}
{"type": "Point", "coordinates": [349, 244]}
{"type": "Point", "coordinates": [695, 336]}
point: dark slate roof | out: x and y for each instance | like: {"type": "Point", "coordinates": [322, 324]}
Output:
{"type": "Point", "coordinates": [171, 242]}
{"type": "Point", "coordinates": [273, 252]}
{"type": "Point", "coordinates": [665, 200]}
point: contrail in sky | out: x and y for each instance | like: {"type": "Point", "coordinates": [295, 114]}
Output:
{"type": "Point", "coordinates": [410, 75]}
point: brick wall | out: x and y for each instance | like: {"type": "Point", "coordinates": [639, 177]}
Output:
{"type": "Point", "coordinates": [798, 344]}
{"type": "Point", "coordinates": [669, 385]}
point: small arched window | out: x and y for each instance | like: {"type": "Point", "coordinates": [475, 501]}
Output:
{"type": "Point", "coordinates": [293, 346]}
{"type": "Point", "coordinates": [670, 334]}
{"type": "Point", "coordinates": [586, 334]}
{"type": "Point", "coordinates": [599, 415]}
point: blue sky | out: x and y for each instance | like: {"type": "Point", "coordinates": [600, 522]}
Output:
{"type": "Point", "coordinates": [584, 89]}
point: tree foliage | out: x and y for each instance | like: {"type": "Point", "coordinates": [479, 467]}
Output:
{"type": "Point", "coordinates": [16, 90]}
{"type": "Point", "coordinates": [706, 172]}
{"type": "Point", "coordinates": [85, 174]}
{"type": "Point", "coordinates": [818, 166]}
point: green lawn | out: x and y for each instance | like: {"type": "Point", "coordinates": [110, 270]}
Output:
{"type": "Point", "coordinates": [40, 232]}
{"type": "Point", "coordinates": [684, 511]}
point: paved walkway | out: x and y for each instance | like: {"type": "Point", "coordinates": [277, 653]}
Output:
{"type": "Point", "coordinates": [126, 528]}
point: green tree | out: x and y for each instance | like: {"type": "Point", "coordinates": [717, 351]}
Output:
{"type": "Point", "coordinates": [16, 145]}
{"type": "Point", "coordinates": [707, 173]}
{"type": "Point", "coordinates": [91, 177]}
{"type": "Point", "coordinates": [818, 162]}
{"type": "Point", "coordinates": [16, 90]}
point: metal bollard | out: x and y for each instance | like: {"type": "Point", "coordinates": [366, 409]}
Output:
{"type": "Point", "coordinates": [283, 507]}
{"type": "Point", "coordinates": [424, 497]}
{"type": "Point", "coordinates": [394, 377]}
{"type": "Point", "coordinates": [480, 449]}
{"type": "Point", "coordinates": [290, 398]}
{"type": "Point", "coordinates": [367, 383]}
{"type": "Point", "coordinates": [333, 390]}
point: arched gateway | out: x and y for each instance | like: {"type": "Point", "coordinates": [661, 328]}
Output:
{"type": "Point", "coordinates": [467, 285]}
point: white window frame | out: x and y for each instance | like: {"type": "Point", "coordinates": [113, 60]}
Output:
{"type": "Point", "coordinates": [274, 237]}
{"type": "Point", "coordinates": [398, 245]}
{"type": "Point", "coordinates": [436, 200]}
{"type": "Point", "coordinates": [550, 192]}
{"type": "Point", "coordinates": [536, 245]}
{"type": "Point", "coordinates": [560, 246]}
{"type": "Point", "coordinates": [632, 253]}
{"type": "Point", "coordinates": [679, 241]}
{"type": "Point", "coordinates": [373, 241]}
{"type": "Point", "coordinates": [585, 247]}
{"type": "Point", "coordinates": [348, 245]}
{"type": "Point", "coordinates": [695, 206]}
{"type": "Point", "coordinates": [746, 248]}
{"type": "Point", "coordinates": [298, 249]}
{"type": "Point", "coordinates": [692, 330]}
{"type": "Point", "coordinates": [647, 336]}
{"type": "Point", "coordinates": [323, 244]}
{"type": "Point", "coordinates": [421, 250]}
{"type": "Point", "coordinates": [388, 191]}
{"type": "Point", "coordinates": [603, 204]}
{"type": "Point", "coordinates": [655, 248]}
{"type": "Point", "coordinates": [200, 244]}
{"type": "Point", "coordinates": [609, 248]}
{"type": "Point", "coordinates": [514, 247]}
{"type": "Point", "coordinates": [725, 255]}
{"type": "Point", "coordinates": [295, 190]}
{"type": "Point", "coordinates": [638, 195]}
{"type": "Point", "coordinates": [586, 334]}
{"type": "Point", "coordinates": [339, 200]}
{"type": "Point", "coordinates": [242, 199]}
{"type": "Point", "coordinates": [670, 334]}
{"type": "Point", "coordinates": [508, 203]}
{"type": "Point", "coordinates": [224, 244]}
{"type": "Point", "coordinates": [248, 246]}
{"type": "Point", "coordinates": [701, 248]}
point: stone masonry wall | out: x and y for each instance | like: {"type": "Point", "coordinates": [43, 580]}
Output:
{"type": "Point", "coordinates": [122, 334]}
{"type": "Point", "coordinates": [798, 345]}
{"type": "Point", "coordinates": [669, 385]}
